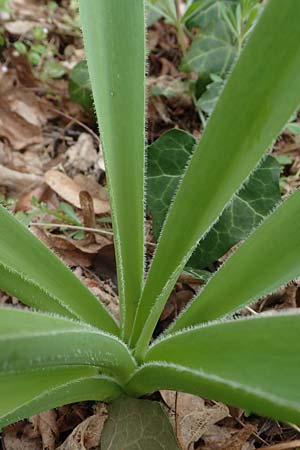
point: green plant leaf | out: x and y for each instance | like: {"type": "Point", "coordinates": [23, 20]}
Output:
{"type": "Point", "coordinates": [164, 8]}
{"type": "Point", "coordinates": [204, 14]}
{"type": "Point", "coordinates": [267, 260]}
{"type": "Point", "coordinates": [209, 99]}
{"type": "Point", "coordinates": [137, 424]}
{"type": "Point", "coordinates": [239, 132]}
{"type": "Point", "coordinates": [294, 128]}
{"type": "Point", "coordinates": [250, 363]}
{"type": "Point", "coordinates": [167, 159]}
{"type": "Point", "coordinates": [117, 72]}
{"type": "Point", "coordinates": [31, 340]}
{"type": "Point", "coordinates": [33, 391]}
{"type": "Point", "coordinates": [212, 52]}
{"type": "Point", "coordinates": [80, 90]}
{"type": "Point", "coordinates": [37, 277]}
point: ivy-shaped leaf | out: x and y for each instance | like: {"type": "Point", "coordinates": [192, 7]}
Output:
{"type": "Point", "coordinates": [206, 13]}
{"type": "Point", "coordinates": [80, 87]}
{"type": "Point", "coordinates": [137, 425]}
{"type": "Point", "coordinates": [167, 159]}
{"type": "Point", "coordinates": [212, 52]}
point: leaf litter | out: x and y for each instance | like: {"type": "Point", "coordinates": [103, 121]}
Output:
{"type": "Point", "coordinates": [48, 156]}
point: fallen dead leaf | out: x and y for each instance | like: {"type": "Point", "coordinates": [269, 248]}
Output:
{"type": "Point", "coordinates": [27, 105]}
{"type": "Point", "coordinates": [19, 27]}
{"type": "Point", "coordinates": [87, 434]}
{"type": "Point", "coordinates": [194, 416]}
{"type": "Point", "coordinates": [45, 425]}
{"type": "Point", "coordinates": [70, 255]}
{"type": "Point", "coordinates": [17, 180]}
{"type": "Point", "coordinates": [90, 184]}
{"type": "Point", "coordinates": [17, 130]}
{"type": "Point", "coordinates": [14, 439]}
{"type": "Point", "coordinates": [23, 69]}
{"type": "Point", "coordinates": [82, 155]}
{"type": "Point", "coordinates": [224, 438]}
{"type": "Point", "coordinates": [69, 190]}
{"type": "Point", "coordinates": [106, 293]}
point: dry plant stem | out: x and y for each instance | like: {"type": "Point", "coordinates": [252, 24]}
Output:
{"type": "Point", "coordinates": [73, 227]}
{"type": "Point", "coordinates": [85, 127]}
{"type": "Point", "coordinates": [283, 446]}
{"type": "Point", "coordinates": [77, 227]}
{"type": "Point", "coordinates": [179, 28]}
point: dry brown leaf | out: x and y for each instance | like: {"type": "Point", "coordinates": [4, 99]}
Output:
{"type": "Point", "coordinates": [66, 188]}
{"type": "Point", "coordinates": [90, 184]}
{"type": "Point", "coordinates": [87, 434]}
{"type": "Point", "coordinates": [107, 295]}
{"type": "Point", "coordinates": [45, 425]}
{"type": "Point", "coordinates": [14, 439]}
{"type": "Point", "coordinates": [224, 438]}
{"type": "Point", "coordinates": [21, 117]}
{"type": "Point", "coordinates": [26, 104]}
{"type": "Point", "coordinates": [19, 27]}
{"type": "Point", "coordinates": [194, 416]}
{"type": "Point", "coordinates": [17, 130]}
{"type": "Point", "coordinates": [23, 69]}
{"type": "Point", "coordinates": [82, 155]}
{"type": "Point", "coordinates": [17, 180]}
{"type": "Point", "coordinates": [70, 255]}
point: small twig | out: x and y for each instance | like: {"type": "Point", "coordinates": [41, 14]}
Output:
{"type": "Point", "coordinates": [67, 116]}
{"type": "Point", "coordinates": [79, 228]}
{"type": "Point", "coordinates": [251, 310]}
{"type": "Point", "coordinates": [73, 227]}
{"type": "Point", "coordinates": [295, 427]}
{"type": "Point", "coordinates": [283, 446]}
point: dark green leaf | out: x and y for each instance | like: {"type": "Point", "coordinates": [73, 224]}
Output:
{"type": "Point", "coordinates": [80, 87]}
{"type": "Point", "coordinates": [137, 424]}
{"type": "Point", "coordinates": [212, 52]}
{"type": "Point", "coordinates": [204, 14]}
{"type": "Point", "coordinates": [167, 159]}
{"type": "Point", "coordinates": [208, 100]}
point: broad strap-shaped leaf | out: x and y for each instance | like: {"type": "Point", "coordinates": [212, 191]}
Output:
{"type": "Point", "coordinates": [31, 272]}
{"type": "Point", "coordinates": [251, 363]}
{"type": "Point", "coordinates": [243, 125]}
{"type": "Point", "coordinates": [28, 393]}
{"type": "Point", "coordinates": [114, 37]}
{"type": "Point", "coordinates": [35, 340]}
{"type": "Point", "coordinates": [267, 260]}
{"type": "Point", "coordinates": [167, 159]}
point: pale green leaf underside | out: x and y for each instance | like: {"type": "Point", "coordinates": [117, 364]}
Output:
{"type": "Point", "coordinates": [212, 52]}
{"type": "Point", "coordinates": [251, 363]}
{"type": "Point", "coordinates": [267, 260]}
{"type": "Point", "coordinates": [207, 13]}
{"type": "Point", "coordinates": [137, 425]}
{"type": "Point", "coordinates": [30, 392]}
{"type": "Point", "coordinates": [114, 36]}
{"type": "Point", "coordinates": [243, 125]}
{"type": "Point", "coordinates": [167, 159]}
{"type": "Point", "coordinates": [42, 280]}
{"type": "Point", "coordinates": [35, 340]}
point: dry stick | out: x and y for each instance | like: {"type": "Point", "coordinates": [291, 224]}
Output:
{"type": "Point", "coordinates": [67, 116]}
{"type": "Point", "coordinates": [284, 446]}
{"type": "Point", "coordinates": [76, 227]}
{"type": "Point", "coordinates": [73, 227]}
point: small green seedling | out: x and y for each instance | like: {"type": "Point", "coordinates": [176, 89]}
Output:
{"type": "Point", "coordinates": [70, 348]}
